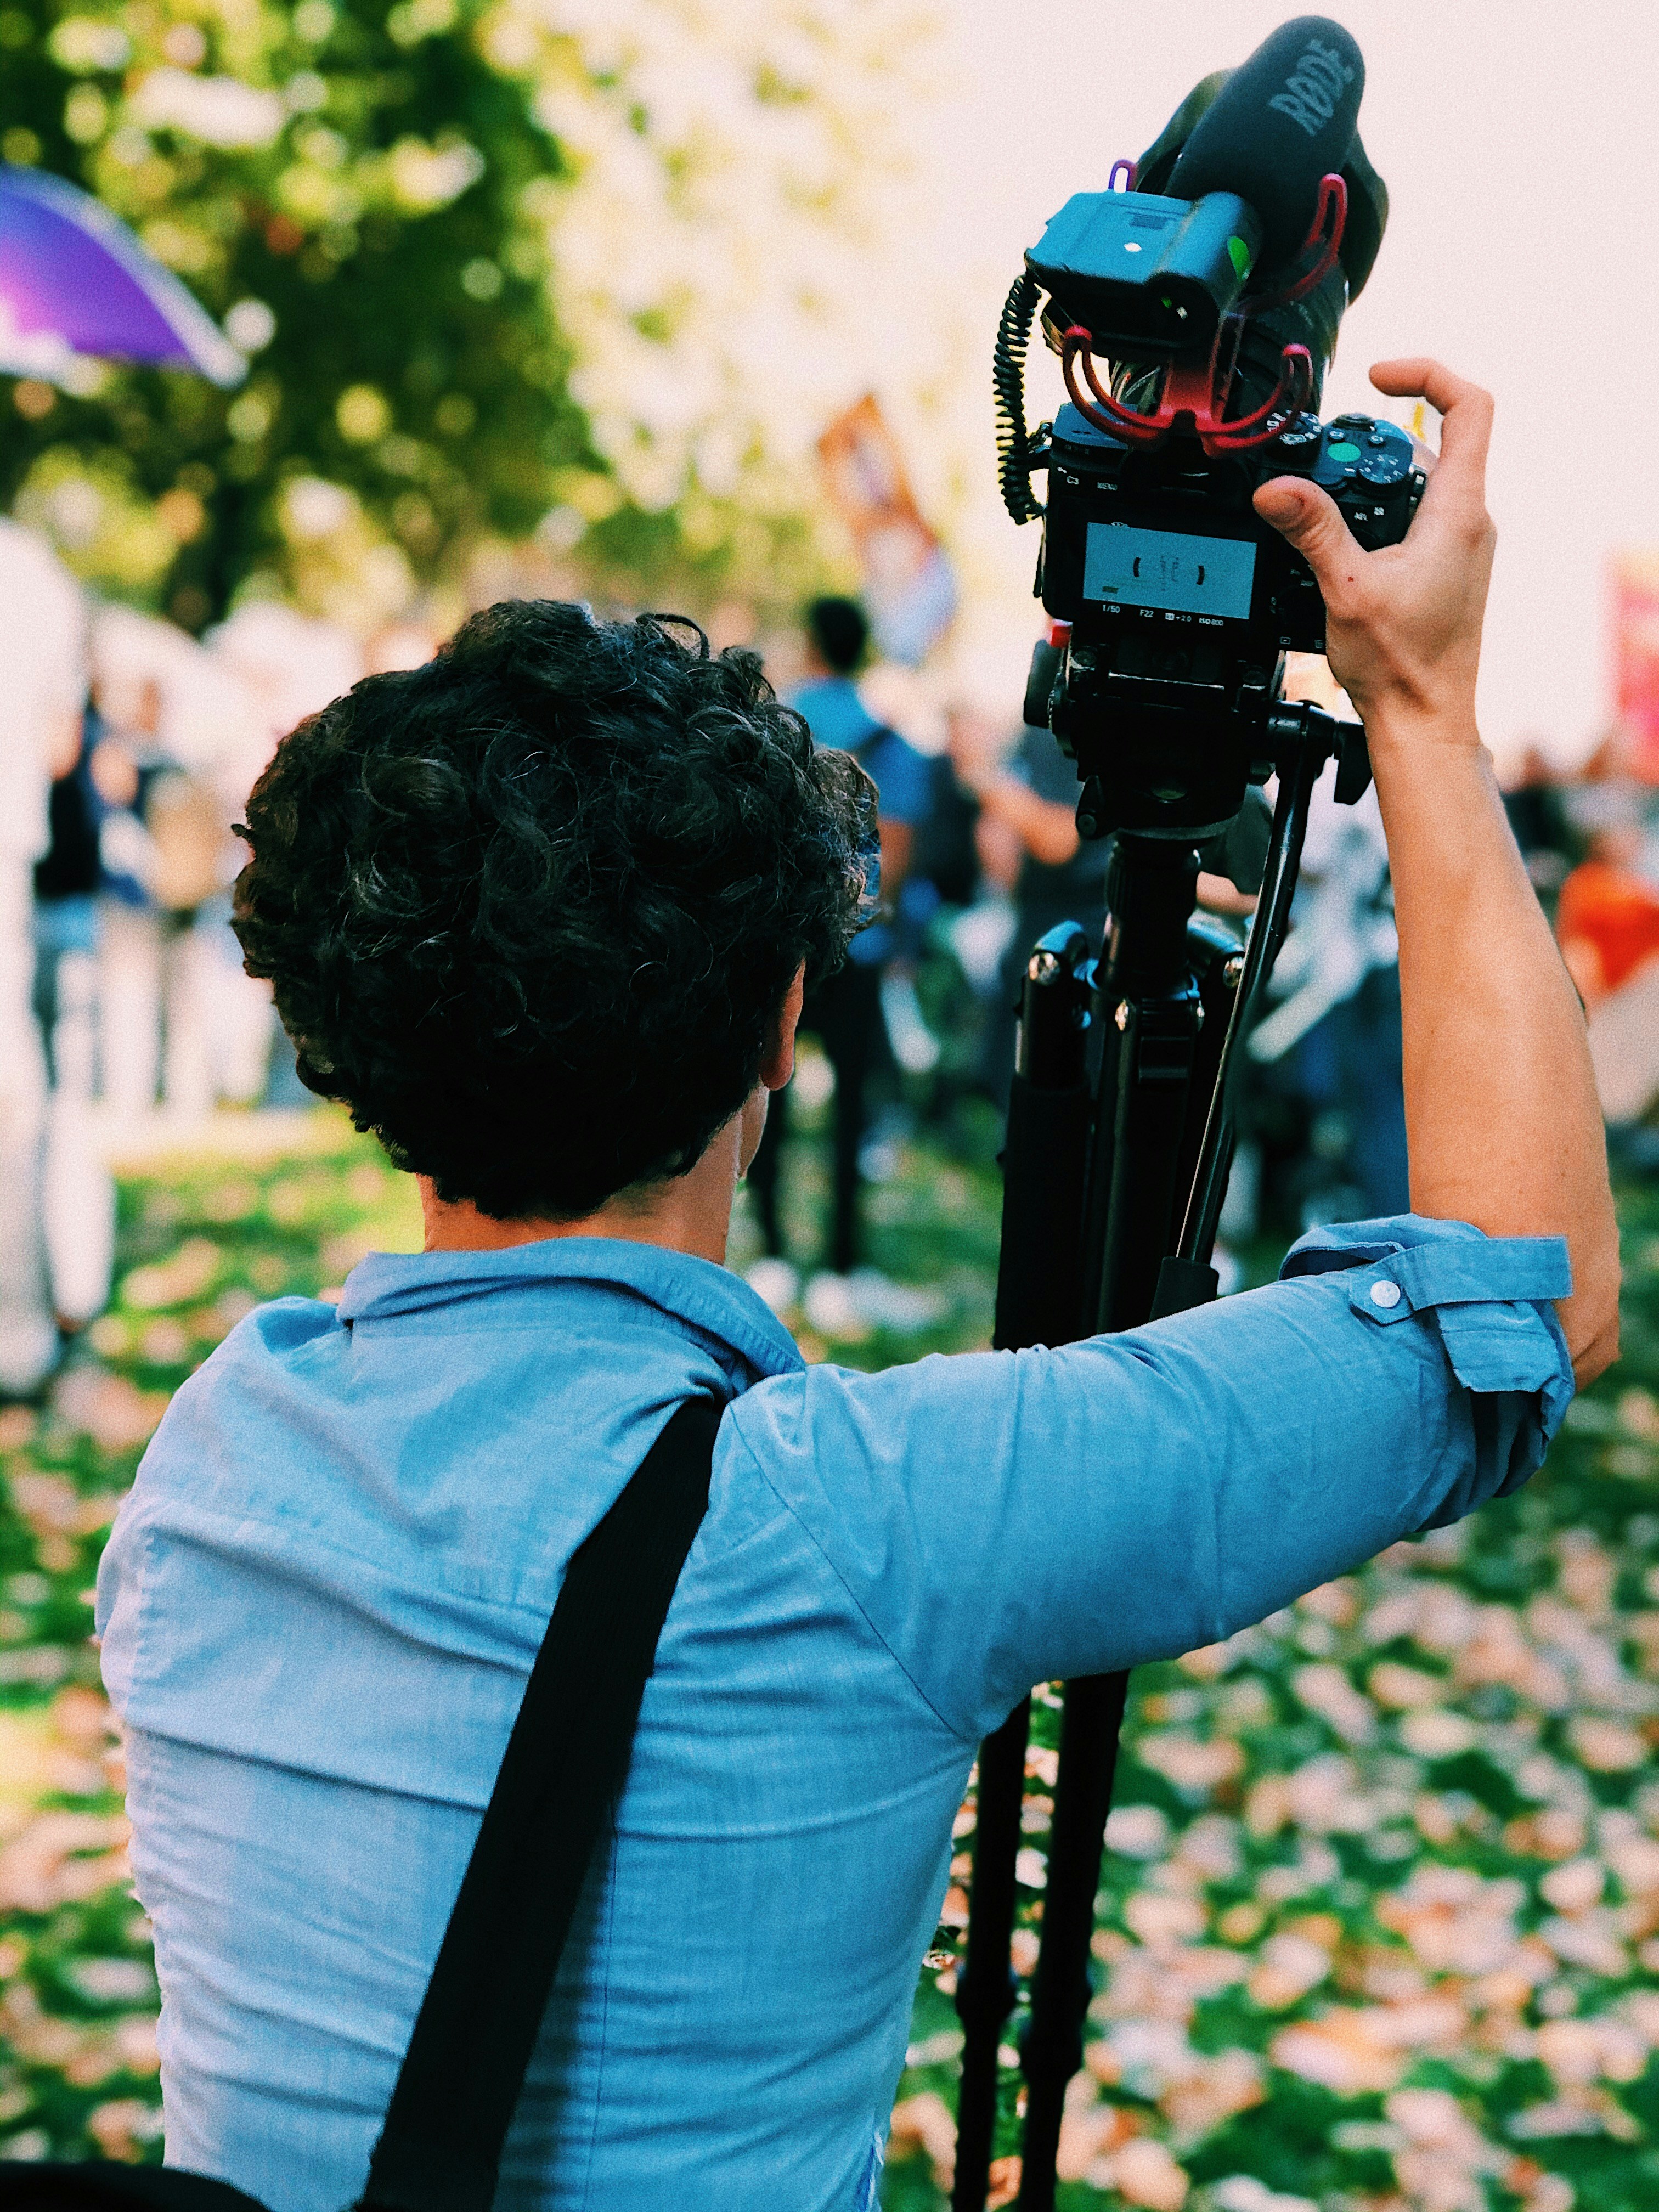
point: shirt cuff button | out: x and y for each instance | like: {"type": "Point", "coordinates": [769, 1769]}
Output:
{"type": "Point", "coordinates": [1386, 1295]}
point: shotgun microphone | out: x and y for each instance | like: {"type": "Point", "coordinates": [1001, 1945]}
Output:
{"type": "Point", "coordinates": [1283, 119]}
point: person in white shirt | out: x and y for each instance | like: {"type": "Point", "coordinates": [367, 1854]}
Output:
{"type": "Point", "coordinates": [42, 652]}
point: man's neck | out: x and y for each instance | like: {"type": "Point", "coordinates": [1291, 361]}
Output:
{"type": "Point", "coordinates": [690, 1212]}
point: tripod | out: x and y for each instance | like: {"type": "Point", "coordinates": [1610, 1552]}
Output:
{"type": "Point", "coordinates": [1112, 1194]}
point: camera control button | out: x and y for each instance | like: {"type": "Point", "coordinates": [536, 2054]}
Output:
{"type": "Point", "coordinates": [1386, 1295]}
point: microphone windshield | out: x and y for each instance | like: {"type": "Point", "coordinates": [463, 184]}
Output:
{"type": "Point", "coordinates": [1282, 120]}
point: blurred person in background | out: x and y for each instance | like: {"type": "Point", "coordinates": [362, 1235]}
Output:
{"type": "Point", "coordinates": [1543, 828]}
{"type": "Point", "coordinates": [954, 921]}
{"type": "Point", "coordinates": [43, 651]}
{"type": "Point", "coordinates": [843, 1011]}
{"type": "Point", "coordinates": [1323, 1112]}
{"type": "Point", "coordinates": [66, 879]}
{"type": "Point", "coordinates": [946, 868]}
{"type": "Point", "coordinates": [1608, 917]}
{"type": "Point", "coordinates": [1607, 921]}
{"type": "Point", "coordinates": [183, 735]}
{"type": "Point", "coordinates": [905, 701]}
{"type": "Point", "coordinates": [79, 1189]}
{"type": "Point", "coordinates": [153, 1040]}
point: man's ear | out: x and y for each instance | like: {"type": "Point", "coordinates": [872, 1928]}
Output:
{"type": "Point", "coordinates": [778, 1061]}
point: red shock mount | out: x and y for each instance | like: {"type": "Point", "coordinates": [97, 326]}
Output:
{"type": "Point", "coordinates": [1191, 395]}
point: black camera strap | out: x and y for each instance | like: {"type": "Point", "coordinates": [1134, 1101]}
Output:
{"type": "Point", "coordinates": [566, 1761]}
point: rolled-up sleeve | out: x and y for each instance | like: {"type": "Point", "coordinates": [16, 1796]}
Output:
{"type": "Point", "coordinates": [1492, 1302]}
{"type": "Point", "coordinates": [1007, 1518]}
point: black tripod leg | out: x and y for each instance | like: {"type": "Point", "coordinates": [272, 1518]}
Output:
{"type": "Point", "coordinates": [1038, 1290]}
{"type": "Point", "coordinates": [1150, 996]}
{"type": "Point", "coordinates": [1142, 1152]}
{"type": "Point", "coordinates": [1059, 1998]}
{"type": "Point", "coordinates": [985, 1987]}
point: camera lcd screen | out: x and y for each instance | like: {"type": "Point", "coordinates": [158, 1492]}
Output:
{"type": "Point", "coordinates": [1160, 570]}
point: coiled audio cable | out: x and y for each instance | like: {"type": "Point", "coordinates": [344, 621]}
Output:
{"type": "Point", "coordinates": [1016, 457]}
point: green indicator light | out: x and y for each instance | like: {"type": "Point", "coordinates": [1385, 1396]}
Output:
{"type": "Point", "coordinates": [1344, 452]}
{"type": "Point", "coordinates": [1240, 255]}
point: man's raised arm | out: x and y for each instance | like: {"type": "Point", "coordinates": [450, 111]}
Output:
{"type": "Point", "coordinates": [1501, 1121]}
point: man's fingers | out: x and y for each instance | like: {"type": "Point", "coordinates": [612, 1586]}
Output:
{"type": "Point", "coordinates": [1456, 490]}
{"type": "Point", "coordinates": [1313, 522]}
{"type": "Point", "coordinates": [1466, 412]}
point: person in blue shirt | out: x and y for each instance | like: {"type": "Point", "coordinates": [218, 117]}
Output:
{"type": "Point", "coordinates": [844, 1009]}
{"type": "Point", "coordinates": [541, 913]}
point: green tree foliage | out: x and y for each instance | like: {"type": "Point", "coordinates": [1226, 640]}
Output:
{"type": "Point", "coordinates": [581, 279]}
{"type": "Point", "coordinates": [722, 270]}
{"type": "Point", "coordinates": [360, 193]}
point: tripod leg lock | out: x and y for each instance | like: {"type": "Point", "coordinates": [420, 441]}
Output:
{"type": "Point", "coordinates": [1353, 764]}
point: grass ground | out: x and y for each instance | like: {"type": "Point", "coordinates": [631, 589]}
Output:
{"type": "Point", "coordinates": [1380, 1929]}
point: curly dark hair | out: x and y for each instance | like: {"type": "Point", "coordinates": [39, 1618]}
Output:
{"type": "Point", "coordinates": [531, 911]}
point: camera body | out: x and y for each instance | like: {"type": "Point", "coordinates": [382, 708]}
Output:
{"type": "Point", "coordinates": [1175, 604]}
{"type": "Point", "coordinates": [1165, 542]}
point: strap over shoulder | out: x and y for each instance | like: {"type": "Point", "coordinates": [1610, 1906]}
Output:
{"type": "Point", "coordinates": [566, 1761]}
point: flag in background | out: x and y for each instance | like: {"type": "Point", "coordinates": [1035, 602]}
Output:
{"type": "Point", "coordinates": [909, 586]}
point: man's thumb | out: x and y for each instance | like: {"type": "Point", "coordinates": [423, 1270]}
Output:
{"type": "Point", "coordinates": [1309, 517]}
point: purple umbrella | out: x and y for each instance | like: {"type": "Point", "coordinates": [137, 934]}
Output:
{"type": "Point", "coordinates": [74, 281]}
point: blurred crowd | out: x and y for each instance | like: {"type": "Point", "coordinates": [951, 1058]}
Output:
{"type": "Point", "coordinates": [128, 751]}
{"type": "Point", "coordinates": [980, 855]}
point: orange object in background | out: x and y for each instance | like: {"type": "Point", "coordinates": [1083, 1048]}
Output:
{"type": "Point", "coordinates": [1613, 913]}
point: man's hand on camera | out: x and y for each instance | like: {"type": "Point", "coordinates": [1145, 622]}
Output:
{"type": "Point", "coordinates": [1403, 623]}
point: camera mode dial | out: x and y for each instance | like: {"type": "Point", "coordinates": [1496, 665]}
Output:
{"type": "Point", "coordinates": [1297, 448]}
{"type": "Point", "coordinates": [1369, 470]}
{"type": "Point", "coordinates": [1368, 467]}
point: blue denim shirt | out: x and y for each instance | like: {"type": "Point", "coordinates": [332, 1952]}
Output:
{"type": "Point", "coordinates": [320, 1604]}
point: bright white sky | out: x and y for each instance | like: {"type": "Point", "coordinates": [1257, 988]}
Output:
{"type": "Point", "coordinates": [1519, 143]}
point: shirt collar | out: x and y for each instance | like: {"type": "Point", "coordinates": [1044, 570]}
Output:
{"type": "Point", "coordinates": [389, 1284]}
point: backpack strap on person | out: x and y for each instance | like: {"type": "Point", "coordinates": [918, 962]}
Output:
{"type": "Point", "coordinates": [876, 734]}
{"type": "Point", "coordinates": [566, 1759]}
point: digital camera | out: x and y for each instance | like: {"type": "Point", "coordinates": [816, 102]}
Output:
{"type": "Point", "coordinates": [1173, 604]}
